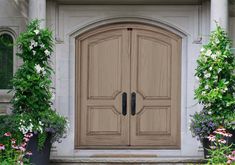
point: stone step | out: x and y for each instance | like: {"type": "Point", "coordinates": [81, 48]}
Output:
{"type": "Point", "coordinates": [126, 161]}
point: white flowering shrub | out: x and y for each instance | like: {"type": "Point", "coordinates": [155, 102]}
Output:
{"type": "Point", "coordinates": [215, 73]}
{"type": "Point", "coordinates": [32, 85]}
{"type": "Point", "coordinates": [32, 81]}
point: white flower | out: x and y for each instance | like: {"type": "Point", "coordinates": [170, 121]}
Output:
{"type": "Point", "coordinates": [203, 93]}
{"type": "Point", "coordinates": [34, 52]}
{"type": "Point", "coordinates": [38, 68]}
{"type": "Point", "coordinates": [36, 31]}
{"type": "Point", "coordinates": [40, 129]}
{"type": "Point", "coordinates": [208, 52]}
{"type": "Point", "coordinates": [42, 45]}
{"type": "Point", "coordinates": [25, 129]}
{"type": "Point", "coordinates": [218, 53]}
{"type": "Point", "coordinates": [47, 52]}
{"type": "Point", "coordinates": [207, 87]}
{"type": "Point", "coordinates": [33, 43]}
{"type": "Point", "coordinates": [43, 71]}
{"type": "Point", "coordinates": [213, 56]}
{"type": "Point", "coordinates": [217, 41]}
{"type": "Point", "coordinates": [207, 75]}
{"type": "Point", "coordinates": [209, 112]}
{"type": "Point", "coordinates": [40, 123]}
{"type": "Point", "coordinates": [205, 59]}
{"type": "Point", "coordinates": [210, 68]}
{"type": "Point", "coordinates": [202, 49]}
{"type": "Point", "coordinates": [223, 90]}
{"type": "Point", "coordinates": [53, 96]}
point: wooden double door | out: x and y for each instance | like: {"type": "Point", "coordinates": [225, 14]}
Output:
{"type": "Point", "coordinates": [128, 87]}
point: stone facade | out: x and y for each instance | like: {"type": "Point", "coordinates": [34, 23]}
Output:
{"type": "Point", "coordinates": [68, 19]}
{"type": "Point", "coordinates": [13, 18]}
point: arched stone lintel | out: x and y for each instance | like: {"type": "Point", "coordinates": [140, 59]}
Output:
{"type": "Point", "coordinates": [106, 21]}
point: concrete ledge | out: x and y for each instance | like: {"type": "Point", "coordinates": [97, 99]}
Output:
{"type": "Point", "coordinates": [126, 160]}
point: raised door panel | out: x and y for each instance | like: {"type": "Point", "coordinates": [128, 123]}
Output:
{"type": "Point", "coordinates": [153, 121]}
{"type": "Point", "coordinates": [103, 77]}
{"type": "Point", "coordinates": [104, 68]}
{"type": "Point", "coordinates": [153, 69]}
{"type": "Point", "coordinates": [155, 78]}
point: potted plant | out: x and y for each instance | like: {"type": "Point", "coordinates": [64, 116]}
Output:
{"type": "Point", "coordinates": [201, 126]}
{"type": "Point", "coordinates": [33, 93]}
{"type": "Point", "coordinates": [220, 151]}
{"type": "Point", "coordinates": [216, 89]}
{"type": "Point", "coordinates": [13, 151]}
{"type": "Point", "coordinates": [13, 143]}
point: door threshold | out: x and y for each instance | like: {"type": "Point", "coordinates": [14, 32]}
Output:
{"type": "Point", "coordinates": [127, 160]}
{"type": "Point", "coordinates": [124, 155]}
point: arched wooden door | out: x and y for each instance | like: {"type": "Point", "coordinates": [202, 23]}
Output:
{"type": "Point", "coordinates": [128, 87]}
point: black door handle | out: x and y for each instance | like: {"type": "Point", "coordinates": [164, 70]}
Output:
{"type": "Point", "coordinates": [133, 103]}
{"type": "Point", "coordinates": [124, 104]}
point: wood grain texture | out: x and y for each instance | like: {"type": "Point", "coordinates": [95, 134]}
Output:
{"type": "Point", "coordinates": [104, 57]}
{"type": "Point", "coordinates": [128, 58]}
{"type": "Point", "coordinates": [155, 77]}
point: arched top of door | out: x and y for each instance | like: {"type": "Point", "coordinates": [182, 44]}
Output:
{"type": "Point", "coordinates": [124, 22]}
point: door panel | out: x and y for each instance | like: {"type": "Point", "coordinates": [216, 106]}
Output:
{"type": "Point", "coordinates": [104, 76]}
{"type": "Point", "coordinates": [104, 67]}
{"type": "Point", "coordinates": [130, 58]}
{"type": "Point", "coordinates": [155, 68]}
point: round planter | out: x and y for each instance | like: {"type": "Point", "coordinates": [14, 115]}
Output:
{"type": "Point", "coordinates": [39, 157]}
{"type": "Point", "coordinates": [206, 146]}
{"type": "Point", "coordinates": [231, 140]}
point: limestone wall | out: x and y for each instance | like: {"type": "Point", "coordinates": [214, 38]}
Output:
{"type": "Point", "coordinates": [13, 18]}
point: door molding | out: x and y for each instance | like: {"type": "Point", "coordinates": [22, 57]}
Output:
{"type": "Point", "coordinates": [119, 21]}
{"type": "Point", "coordinates": [68, 21]}
{"type": "Point", "coordinates": [79, 30]}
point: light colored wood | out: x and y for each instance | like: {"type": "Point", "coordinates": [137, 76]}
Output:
{"type": "Point", "coordinates": [104, 76]}
{"type": "Point", "coordinates": [128, 58]}
{"type": "Point", "coordinates": [155, 77]}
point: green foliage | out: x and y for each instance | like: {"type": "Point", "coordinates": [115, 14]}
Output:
{"type": "Point", "coordinates": [32, 86]}
{"type": "Point", "coordinates": [9, 123]}
{"type": "Point", "coordinates": [215, 71]}
{"type": "Point", "coordinates": [41, 139]}
{"type": "Point", "coordinates": [220, 151]}
{"type": "Point", "coordinates": [13, 148]}
{"type": "Point", "coordinates": [216, 89]}
{"type": "Point", "coordinates": [32, 81]}
{"type": "Point", "coordinates": [202, 124]}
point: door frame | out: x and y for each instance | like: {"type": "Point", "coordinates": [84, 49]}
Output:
{"type": "Point", "coordinates": [142, 21]}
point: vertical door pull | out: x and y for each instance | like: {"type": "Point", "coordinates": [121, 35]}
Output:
{"type": "Point", "coordinates": [124, 104]}
{"type": "Point", "coordinates": [133, 103]}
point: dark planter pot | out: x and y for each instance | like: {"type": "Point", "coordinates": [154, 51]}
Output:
{"type": "Point", "coordinates": [206, 146]}
{"type": "Point", "coordinates": [39, 157]}
{"type": "Point", "coordinates": [230, 140]}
